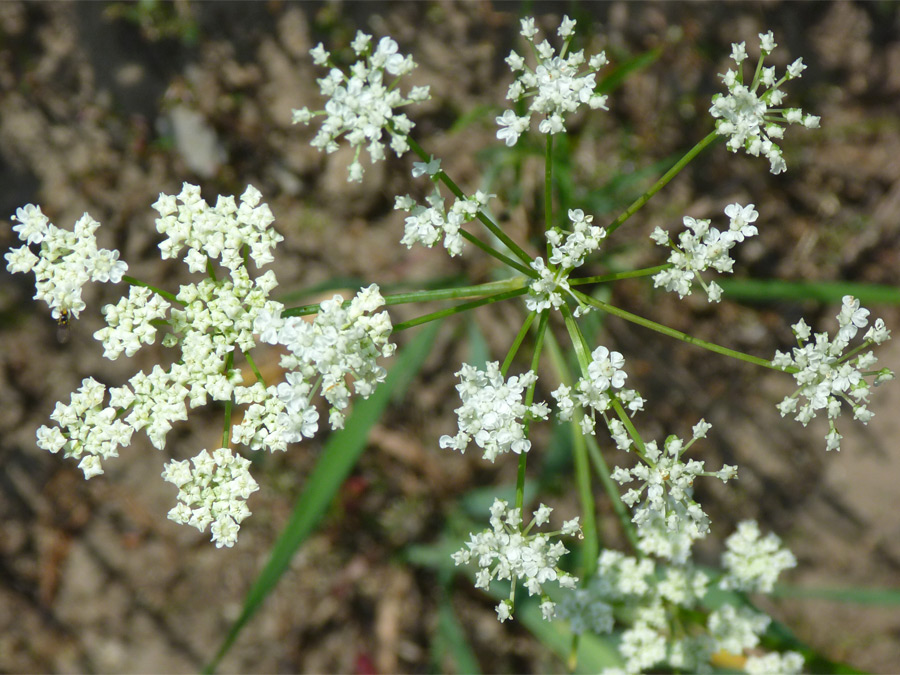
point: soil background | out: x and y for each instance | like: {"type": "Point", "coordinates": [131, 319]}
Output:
{"type": "Point", "coordinates": [105, 105]}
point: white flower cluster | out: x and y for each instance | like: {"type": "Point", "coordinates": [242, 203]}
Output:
{"type": "Point", "coordinates": [754, 562]}
{"type": "Point", "coordinates": [492, 411]}
{"type": "Point", "coordinates": [788, 663]}
{"type": "Point", "coordinates": [361, 106]}
{"type": "Point", "coordinates": [213, 491]}
{"type": "Point", "coordinates": [595, 393]}
{"type": "Point", "coordinates": [565, 254]}
{"type": "Point", "coordinates": [584, 239]}
{"type": "Point", "coordinates": [219, 232]}
{"type": "Point", "coordinates": [546, 290]}
{"type": "Point", "coordinates": [66, 260]}
{"type": "Point", "coordinates": [156, 401]}
{"type": "Point", "coordinates": [209, 321]}
{"type": "Point", "coordinates": [633, 590]}
{"type": "Point", "coordinates": [627, 587]}
{"type": "Point", "coordinates": [507, 551]}
{"type": "Point", "coordinates": [557, 84]}
{"type": "Point", "coordinates": [426, 225]}
{"type": "Point", "coordinates": [826, 376]}
{"type": "Point", "coordinates": [665, 494]}
{"type": "Point", "coordinates": [91, 429]}
{"type": "Point", "coordinates": [701, 247]}
{"type": "Point", "coordinates": [341, 343]}
{"type": "Point", "coordinates": [752, 121]}
{"type": "Point", "coordinates": [130, 322]}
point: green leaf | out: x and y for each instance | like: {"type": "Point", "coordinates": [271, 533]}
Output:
{"type": "Point", "coordinates": [767, 290]}
{"type": "Point", "coordinates": [876, 597]}
{"type": "Point", "coordinates": [450, 639]}
{"type": "Point", "coordinates": [614, 79]}
{"type": "Point", "coordinates": [479, 352]}
{"type": "Point", "coordinates": [338, 458]}
{"type": "Point", "coordinates": [593, 653]}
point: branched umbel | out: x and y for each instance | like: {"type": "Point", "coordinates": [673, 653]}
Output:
{"type": "Point", "coordinates": [656, 596]}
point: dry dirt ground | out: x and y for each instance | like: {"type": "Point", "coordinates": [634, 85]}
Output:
{"type": "Point", "coordinates": [101, 108]}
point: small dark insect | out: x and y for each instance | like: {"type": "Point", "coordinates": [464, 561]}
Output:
{"type": "Point", "coordinates": [62, 327]}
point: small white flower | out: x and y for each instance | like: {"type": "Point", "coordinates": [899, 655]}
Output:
{"type": "Point", "coordinates": [556, 86]}
{"type": "Point", "coordinates": [754, 562]}
{"type": "Point", "coordinates": [361, 106]}
{"type": "Point", "coordinates": [701, 247]}
{"type": "Point", "coordinates": [430, 168]}
{"type": "Point", "coordinates": [66, 261]}
{"type": "Point", "coordinates": [826, 377]}
{"type": "Point", "coordinates": [492, 412]}
{"type": "Point", "coordinates": [505, 552]}
{"type": "Point", "coordinates": [212, 492]}
{"type": "Point", "coordinates": [749, 118]}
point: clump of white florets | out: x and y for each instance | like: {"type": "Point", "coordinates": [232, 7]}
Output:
{"type": "Point", "coordinates": [212, 490]}
{"type": "Point", "coordinates": [66, 261]}
{"type": "Point", "coordinates": [87, 429]}
{"type": "Point", "coordinates": [597, 392]}
{"type": "Point", "coordinates": [557, 86]}
{"type": "Point", "coordinates": [649, 600]}
{"type": "Point", "coordinates": [216, 232]}
{"type": "Point", "coordinates": [827, 377]}
{"type": "Point", "coordinates": [507, 551]}
{"type": "Point", "coordinates": [664, 496]}
{"type": "Point", "coordinates": [361, 106]}
{"type": "Point", "coordinates": [751, 120]}
{"type": "Point", "coordinates": [426, 225]}
{"type": "Point", "coordinates": [493, 413]}
{"type": "Point", "coordinates": [339, 346]}
{"type": "Point", "coordinates": [701, 247]}
{"type": "Point", "coordinates": [568, 250]}
{"type": "Point", "coordinates": [754, 562]}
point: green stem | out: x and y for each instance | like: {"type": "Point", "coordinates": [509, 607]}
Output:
{"type": "Point", "coordinates": [514, 348]}
{"type": "Point", "coordinates": [479, 290]}
{"type": "Point", "coordinates": [578, 342]}
{"type": "Point", "coordinates": [632, 274]}
{"type": "Point", "coordinates": [669, 175]}
{"type": "Point", "coordinates": [677, 334]}
{"type": "Point", "coordinates": [229, 405]}
{"type": "Point", "coordinates": [529, 399]}
{"type": "Point", "coordinates": [600, 466]}
{"type": "Point", "coordinates": [454, 188]}
{"type": "Point", "coordinates": [131, 281]}
{"type": "Point", "coordinates": [591, 548]}
{"type": "Point", "coordinates": [458, 309]}
{"type": "Point", "coordinates": [611, 488]}
{"type": "Point", "coordinates": [491, 251]}
{"type": "Point", "coordinates": [548, 184]}
{"type": "Point", "coordinates": [632, 430]}
{"type": "Point", "coordinates": [252, 363]}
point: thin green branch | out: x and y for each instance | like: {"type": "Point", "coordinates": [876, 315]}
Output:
{"type": "Point", "coordinates": [661, 183]}
{"type": "Point", "coordinates": [482, 216]}
{"type": "Point", "coordinates": [252, 364]}
{"type": "Point", "coordinates": [491, 251]}
{"type": "Point", "coordinates": [548, 184]}
{"type": "Point", "coordinates": [131, 281]}
{"type": "Point", "coordinates": [458, 309]}
{"type": "Point", "coordinates": [529, 399]}
{"type": "Point", "coordinates": [677, 334]}
{"type": "Point", "coordinates": [479, 290]}
{"type": "Point", "coordinates": [229, 405]}
{"type": "Point", "coordinates": [611, 488]}
{"type": "Point", "coordinates": [514, 348]}
{"type": "Point", "coordinates": [632, 274]}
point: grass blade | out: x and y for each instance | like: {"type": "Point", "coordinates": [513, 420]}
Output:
{"type": "Point", "coordinates": [767, 290]}
{"type": "Point", "coordinates": [339, 456]}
